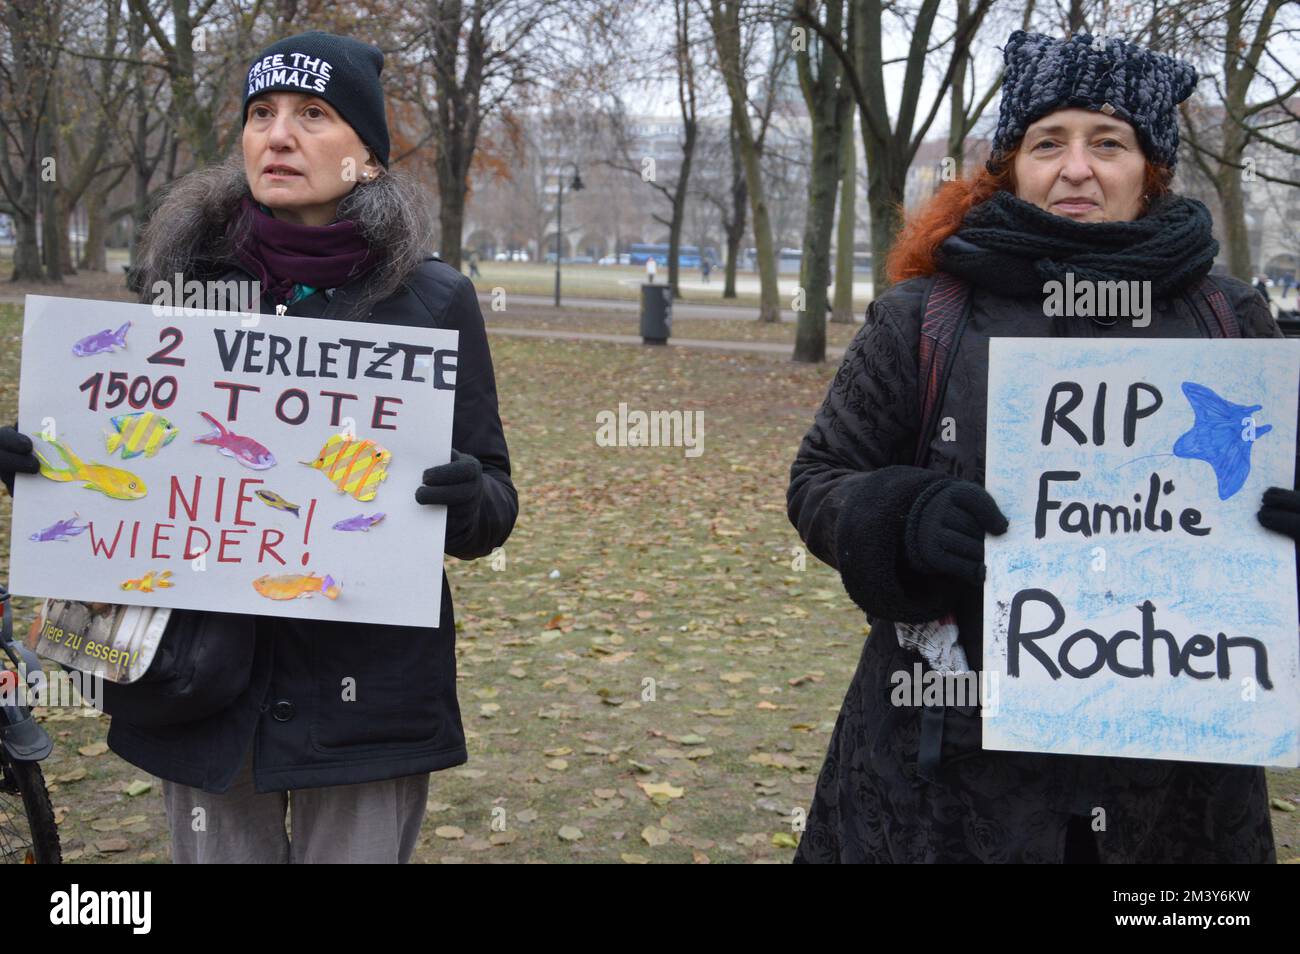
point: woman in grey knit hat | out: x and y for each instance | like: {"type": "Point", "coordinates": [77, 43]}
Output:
{"type": "Point", "coordinates": [1078, 184]}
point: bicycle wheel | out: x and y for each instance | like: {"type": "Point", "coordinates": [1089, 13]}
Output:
{"type": "Point", "coordinates": [28, 834]}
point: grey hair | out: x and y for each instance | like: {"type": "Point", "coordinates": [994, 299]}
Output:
{"type": "Point", "coordinates": [191, 233]}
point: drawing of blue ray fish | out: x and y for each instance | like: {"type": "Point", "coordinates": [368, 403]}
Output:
{"type": "Point", "coordinates": [1220, 436]}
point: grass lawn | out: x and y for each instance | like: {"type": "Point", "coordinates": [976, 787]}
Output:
{"type": "Point", "coordinates": [647, 678]}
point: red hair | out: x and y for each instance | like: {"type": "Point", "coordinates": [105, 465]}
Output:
{"type": "Point", "coordinates": [913, 254]}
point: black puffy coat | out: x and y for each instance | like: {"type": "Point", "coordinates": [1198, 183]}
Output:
{"type": "Point", "coordinates": [850, 491]}
{"type": "Point", "coordinates": [222, 681]}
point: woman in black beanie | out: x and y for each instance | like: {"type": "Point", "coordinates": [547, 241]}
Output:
{"type": "Point", "coordinates": [1079, 182]}
{"type": "Point", "coordinates": [243, 716]}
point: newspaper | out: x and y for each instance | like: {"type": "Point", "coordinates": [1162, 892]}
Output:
{"type": "Point", "coordinates": [117, 642]}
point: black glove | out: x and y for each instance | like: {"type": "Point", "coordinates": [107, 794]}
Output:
{"type": "Point", "coordinates": [458, 486]}
{"type": "Point", "coordinates": [946, 527]}
{"type": "Point", "coordinates": [16, 456]}
{"type": "Point", "coordinates": [1281, 511]}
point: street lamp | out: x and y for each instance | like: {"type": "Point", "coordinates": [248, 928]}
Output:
{"type": "Point", "coordinates": [576, 186]}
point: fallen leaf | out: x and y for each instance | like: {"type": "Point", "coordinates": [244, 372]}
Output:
{"type": "Point", "coordinates": [661, 789]}
{"type": "Point", "coordinates": [654, 837]}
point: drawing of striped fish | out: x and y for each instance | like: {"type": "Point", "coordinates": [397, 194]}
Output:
{"type": "Point", "coordinates": [143, 432]}
{"type": "Point", "coordinates": [354, 466]}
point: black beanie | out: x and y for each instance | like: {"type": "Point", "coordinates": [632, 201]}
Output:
{"type": "Point", "coordinates": [342, 71]}
{"type": "Point", "coordinates": [1107, 74]}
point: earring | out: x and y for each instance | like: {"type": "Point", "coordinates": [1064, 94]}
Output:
{"type": "Point", "coordinates": [365, 176]}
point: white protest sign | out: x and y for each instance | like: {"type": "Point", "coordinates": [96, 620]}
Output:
{"type": "Point", "coordinates": [1136, 607]}
{"type": "Point", "coordinates": [212, 461]}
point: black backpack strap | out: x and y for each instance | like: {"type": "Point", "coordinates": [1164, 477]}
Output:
{"type": "Point", "coordinates": [947, 310]}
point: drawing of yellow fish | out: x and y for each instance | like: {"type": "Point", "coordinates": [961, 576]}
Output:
{"type": "Point", "coordinates": [288, 586]}
{"type": "Point", "coordinates": [354, 466]}
{"type": "Point", "coordinates": [144, 432]}
{"type": "Point", "coordinates": [148, 582]}
{"type": "Point", "coordinates": [110, 481]}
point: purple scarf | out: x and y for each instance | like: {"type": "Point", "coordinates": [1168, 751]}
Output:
{"type": "Point", "coordinates": [281, 254]}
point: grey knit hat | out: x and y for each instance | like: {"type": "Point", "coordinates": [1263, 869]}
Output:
{"type": "Point", "coordinates": [1107, 74]}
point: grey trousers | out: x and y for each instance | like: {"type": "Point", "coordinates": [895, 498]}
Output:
{"type": "Point", "coordinates": [368, 823]}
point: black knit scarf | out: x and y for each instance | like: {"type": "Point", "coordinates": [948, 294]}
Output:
{"type": "Point", "coordinates": [1012, 247]}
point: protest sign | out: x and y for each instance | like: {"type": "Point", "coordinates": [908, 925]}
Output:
{"type": "Point", "coordinates": [232, 463]}
{"type": "Point", "coordinates": [1136, 607]}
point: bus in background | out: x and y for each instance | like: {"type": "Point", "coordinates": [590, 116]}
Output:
{"type": "Point", "coordinates": [688, 256]}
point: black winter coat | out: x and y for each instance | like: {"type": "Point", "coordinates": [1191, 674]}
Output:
{"type": "Point", "coordinates": [221, 682]}
{"type": "Point", "coordinates": [850, 491]}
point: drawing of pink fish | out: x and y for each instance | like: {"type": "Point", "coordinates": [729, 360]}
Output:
{"type": "Point", "coordinates": [243, 449]}
{"type": "Point", "coordinates": [359, 522]}
{"type": "Point", "coordinates": [101, 341]}
{"type": "Point", "coordinates": [62, 530]}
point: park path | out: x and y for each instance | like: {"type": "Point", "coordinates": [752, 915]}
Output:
{"type": "Point", "coordinates": [833, 352]}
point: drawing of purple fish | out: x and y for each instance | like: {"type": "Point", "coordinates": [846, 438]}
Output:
{"type": "Point", "coordinates": [101, 341]}
{"type": "Point", "coordinates": [244, 449]}
{"type": "Point", "coordinates": [60, 531]}
{"type": "Point", "coordinates": [359, 522]}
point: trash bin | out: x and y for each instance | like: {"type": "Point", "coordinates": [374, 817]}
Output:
{"type": "Point", "coordinates": [656, 313]}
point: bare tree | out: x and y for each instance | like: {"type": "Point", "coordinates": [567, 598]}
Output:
{"type": "Point", "coordinates": [732, 199]}
{"type": "Point", "coordinates": [26, 86]}
{"type": "Point", "coordinates": [198, 77]}
{"type": "Point", "coordinates": [842, 304]}
{"type": "Point", "coordinates": [469, 57]}
{"type": "Point", "coordinates": [725, 21]}
{"type": "Point", "coordinates": [830, 110]}
{"type": "Point", "coordinates": [91, 168]}
{"type": "Point", "coordinates": [1238, 34]}
{"type": "Point", "coordinates": [891, 145]}
{"type": "Point", "coordinates": [672, 185]}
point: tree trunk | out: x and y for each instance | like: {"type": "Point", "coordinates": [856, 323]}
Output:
{"type": "Point", "coordinates": [140, 145]}
{"type": "Point", "coordinates": [726, 31]}
{"type": "Point", "coordinates": [451, 221]}
{"type": "Point", "coordinates": [1233, 223]}
{"type": "Point", "coordinates": [27, 253]}
{"type": "Point", "coordinates": [94, 257]}
{"type": "Point", "coordinates": [1076, 16]}
{"type": "Point", "coordinates": [828, 109]}
{"type": "Point", "coordinates": [53, 219]}
{"type": "Point", "coordinates": [739, 209]}
{"type": "Point", "coordinates": [842, 310]}
{"type": "Point", "coordinates": [957, 102]}
{"type": "Point", "coordinates": [675, 242]}
{"type": "Point", "coordinates": [29, 77]}
{"type": "Point", "coordinates": [814, 272]}
{"type": "Point", "coordinates": [679, 209]}
{"type": "Point", "coordinates": [769, 298]}
{"type": "Point", "coordinates": [63, 235]}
